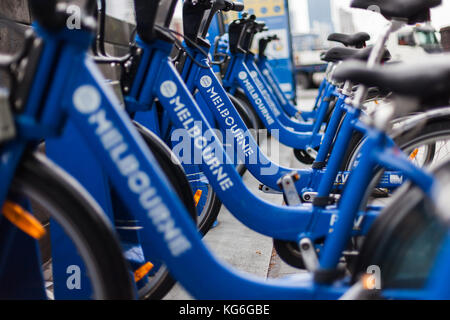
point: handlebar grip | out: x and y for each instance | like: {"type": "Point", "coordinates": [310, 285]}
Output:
{"type": "Point", "coordinates": [238, 7]}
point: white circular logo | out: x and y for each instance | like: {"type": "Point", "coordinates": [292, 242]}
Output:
{"type": "Point", "coordinates": [254, 74]}
{"type": "Point", "coordinates": [265, 72]}
{"type": "Point", "coordinates": [169, 89]}
{"type": "Point", "coordinates": [242, 75]}
{"type": "Point", "coordinates": [206, 81]}
{"type": "Point", "coordinates": [86, 99]}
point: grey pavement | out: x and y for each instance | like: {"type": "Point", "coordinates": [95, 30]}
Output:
{"type": "Point", "coordinates": [234, 243]}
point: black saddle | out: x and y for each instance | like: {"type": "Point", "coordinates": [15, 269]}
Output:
{"type": "Point", "coordinates": [357, 40]}
{"type": "Point", "coordinates": [413, 10]}
{"type": "Point", "coordinates": [337, 54]}
{"type": "Point", "coordinates": [429, 81]}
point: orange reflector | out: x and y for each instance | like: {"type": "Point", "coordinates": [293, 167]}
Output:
{"type": "Point", "coordinates": [368, 281]}
{"type": "Point", "coordinates": [413, 155]}
{"type": "Point", "coordinates": [142, 271]}
{"type": "Point", "coordinates": [376, 102]}
{"type": "Point", "coordinates": [23, 220]}
{"type": "Point", "coordinates": [197, 196]}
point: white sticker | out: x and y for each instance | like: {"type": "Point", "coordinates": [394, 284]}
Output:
{"type": "Point", "coordinates": [169, 89]}
{"type": "Point", "coordinates": [206, 81]}
{"type": "Point", "coordinates": [395, 179]}
{"type": "Point", "coordinates": [242, 75]}
{"type": "Point", "coordinates": [86, 99]}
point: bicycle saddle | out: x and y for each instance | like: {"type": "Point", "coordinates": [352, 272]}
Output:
{"type": "Point", "coordinates": [428, 80]}
{"type": "Point", "coordinates": [357, 40]}
{"type": "Point", "coordinates": [412, 10]}
{"type": "Point", "coordinates": [337, 54]}
{"type": "Point", "coordinates": [46, 13]}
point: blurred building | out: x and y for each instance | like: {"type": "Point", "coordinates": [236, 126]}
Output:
{"type": "Point", "coordinates": [320, 18]}
{"type": "Point", "coordinates": [445, 38]}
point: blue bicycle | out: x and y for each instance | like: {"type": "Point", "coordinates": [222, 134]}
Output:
{"type": "Point", "coordinates": [200, 78]}
{"type": "Point", "coordinates": [142, 188]}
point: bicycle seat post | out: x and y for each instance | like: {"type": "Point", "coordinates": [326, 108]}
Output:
{"type": "Point", "coordinates": [376, 56]}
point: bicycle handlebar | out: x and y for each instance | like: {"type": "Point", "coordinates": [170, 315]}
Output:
{"type": "Point", "coordinates": [224, 5]}
{"type": "Point", "coordinates": [235, 6]}
{"type": "Point", "coordinates": [198, 14]}
{"type": "Point", "coordinates": [264, 42]}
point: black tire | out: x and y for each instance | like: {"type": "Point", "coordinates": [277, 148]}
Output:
{"type": "Point", "coordinates": [303, 156]}
{"type": "Point", "coordinates": [289, 252]}
{"type": "Point", "coordinates": [330, 110]}
{"type": "Point", "coordinates": [425, 135]}
{"type": "Point", "coordinates": [82, 219]}
{"type": "Point", "coordinates": [406, 234]}
{"type": "Point", "coordinates": [250, 122]}
{"type": "Point", "coordinates": [431, 130]}
{"type": "Point", "coordinates": [211, 209]}
{"type": "Point", "coordinates": [246, 112]}
{"type": "Point", "coordinates": [172, 168]}
{"type": "Point", "coordinates": [240, 94]}
{"type": "Point", "coordinates": [212, 212]}
{"type": "Point", "coordinates": [163, 282]}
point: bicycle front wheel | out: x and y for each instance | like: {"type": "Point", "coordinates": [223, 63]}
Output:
{"type": "Point", "coordinates": [58, 199]}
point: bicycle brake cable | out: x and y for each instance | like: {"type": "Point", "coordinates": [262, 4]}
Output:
{"type": "Point", "coordinates": [173, 32]}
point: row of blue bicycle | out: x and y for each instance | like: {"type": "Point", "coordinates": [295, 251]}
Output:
{"type": "Point", "coordinates": [110, 199]}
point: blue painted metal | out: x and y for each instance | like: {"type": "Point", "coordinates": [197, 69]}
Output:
{"type": "Point", "coordinates": [275, 14]}
{"type": "Point", "coordinates": [272, 101]}
{"type": "Point", "coordinates": [144, 191]}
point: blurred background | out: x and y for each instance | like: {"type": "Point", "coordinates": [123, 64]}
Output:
{"type": "Point", "coordinates": [302, 25]}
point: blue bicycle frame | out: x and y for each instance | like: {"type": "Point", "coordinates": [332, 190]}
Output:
{"type": "Point", "coordinates": [249, 152]}
{"type": "Point", "coordinates": [239, 75]}
{"type": "Point", "coordinates": [290, 109]}
{"type": "Point", "coordinates": [274, 85]}
{"type": "Point", "coordinates": [272, 102]}
{"type": "Point", "coordinates": [76, 91]}
{"type": "Point", "coordinates": [275, 219]}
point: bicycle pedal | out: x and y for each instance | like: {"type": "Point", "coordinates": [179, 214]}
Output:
{"type": "Point", "coordinates": [269, 190]}
{"type": "Point", "coordinates": [312, 152]}
{"type": "Point", "coordinates": [310, 196]}
{"type": "Point", "coordinates": [309, 254]}
{"type": "Point", "coordinates": [287, 184]}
